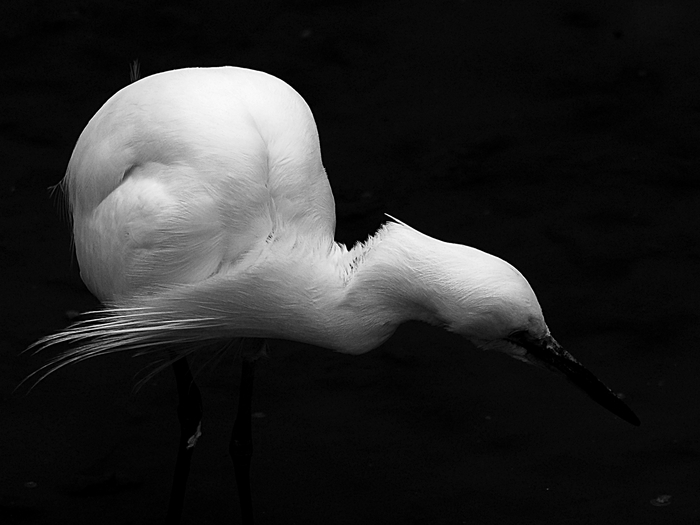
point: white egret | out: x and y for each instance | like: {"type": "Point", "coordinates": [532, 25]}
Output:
{"type": "Point", "coordinates": [202, 212]}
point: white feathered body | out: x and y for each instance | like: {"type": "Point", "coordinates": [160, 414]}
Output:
{"type": "Point", "coordinates": [201, 210]}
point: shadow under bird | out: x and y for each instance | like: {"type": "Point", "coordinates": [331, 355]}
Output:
{"type": "Point", "coordinates": [202, 212]}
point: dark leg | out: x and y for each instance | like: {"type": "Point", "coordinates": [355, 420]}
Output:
{"type": "Point", "coordinates": [241, 445]}
{"type": "Point", "coordinates": [189, 412]}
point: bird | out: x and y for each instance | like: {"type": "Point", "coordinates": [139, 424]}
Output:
{"type": "Point", "coordinates": [202, 213]}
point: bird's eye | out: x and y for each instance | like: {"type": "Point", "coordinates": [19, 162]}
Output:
{"type": "Point", "coordinates": [517, 335]}
{"type": "Point", "coordinates": [520, 337]}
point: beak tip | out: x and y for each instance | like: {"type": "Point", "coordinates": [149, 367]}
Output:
{"type": "Point", "coordinates": [613, 403]}
{"type": "Point", "coordinates": [630, 417]}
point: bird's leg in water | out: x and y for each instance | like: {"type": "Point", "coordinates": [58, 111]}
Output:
{"type": "Point", "coordinates": [189, 413]}
{"type": "Point", "coordinates": [241, 444]}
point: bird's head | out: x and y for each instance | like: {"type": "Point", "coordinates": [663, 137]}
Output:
{"type": "Point", "coordinates": [490, 303]}
{"type": "Point", "coordinates": [482, 298]}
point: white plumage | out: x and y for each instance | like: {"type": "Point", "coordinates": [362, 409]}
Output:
{"type": "Point", "coordinates": [198, 198]}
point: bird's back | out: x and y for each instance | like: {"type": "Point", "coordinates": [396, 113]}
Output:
{"type": "Point", "coordinates": [181, 174]}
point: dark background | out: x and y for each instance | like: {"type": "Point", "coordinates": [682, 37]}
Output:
{"type": "Point", "coordinates": [560, 135]}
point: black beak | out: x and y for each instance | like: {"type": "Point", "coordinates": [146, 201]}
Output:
{"type": "Point", "coordinates": [546, 352]}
